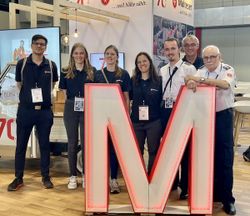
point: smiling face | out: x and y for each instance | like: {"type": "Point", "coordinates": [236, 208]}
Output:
{"type": "Point", "coordinates": [211, 57]}
{"type": "Point", "coordinates": [111, 56]}
{"type": "Point", "coordinates": [143, 64]}
{"type": "Point", "coordinates": [38, 47]}
{"type": "Point", "coordinates": [78, 55]}
{"type": "Point", "coordinates": [172, 51]}
{"type": "Point", "coordinates": [190, 47]}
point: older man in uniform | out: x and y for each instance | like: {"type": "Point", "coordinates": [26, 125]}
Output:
{"type": "Point", "coordinates": [173, 75]}
{"type": "Point", "coordinates": [35, 77]}
{"type": "Point", "coordinates": [216, 73]}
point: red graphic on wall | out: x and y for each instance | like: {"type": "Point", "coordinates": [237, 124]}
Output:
{"type": "Point", "coordinates": [174, 3]}
{"type": "Point", "coordinates": [105, 2]}
{"type": "Point", "coordinates": [4, 123]}
{"type": "Point", "coordinates": [79, 1]}
{"type": "Point", "coordinates": [161, 3]}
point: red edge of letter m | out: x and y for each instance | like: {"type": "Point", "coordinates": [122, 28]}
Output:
{"type": "Point", "coordinates": [193, 114]}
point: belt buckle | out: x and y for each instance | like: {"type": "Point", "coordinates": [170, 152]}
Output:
{"type": "Point", "coordinates": [38, 107]}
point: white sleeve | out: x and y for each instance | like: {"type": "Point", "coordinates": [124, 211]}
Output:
{"type": "Point", "coordinates": [229, 76]}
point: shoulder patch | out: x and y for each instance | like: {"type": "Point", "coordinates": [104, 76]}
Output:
{"type": "Point", "coordinates": [226, 67]}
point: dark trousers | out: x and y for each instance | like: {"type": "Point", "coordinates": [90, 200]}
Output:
{"type": "Point", "coordinates": [165, 115]}
{"type": "Point", "coordinates": [152, 132]}
{"type": "Point", "coordinates": [26, 119]}
{"type": "Point", "coordinates": [224, 157]}
{"type": "Point", "coordinates": [72, 121]}
{"type": "Point", "coordinates": [114, 165]}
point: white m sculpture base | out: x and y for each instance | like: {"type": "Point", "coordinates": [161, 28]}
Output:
{"type": "Point", "coordinates": [193, 114]}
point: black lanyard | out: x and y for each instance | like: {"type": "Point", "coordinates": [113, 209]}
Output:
{"type": "Point", "coordinates": [170, 78]}
{"type": "Point", "coordinates": [142, 84]}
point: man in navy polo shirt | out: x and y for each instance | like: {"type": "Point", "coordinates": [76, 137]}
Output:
{"type": "Point", "coordinates": [35, 77]}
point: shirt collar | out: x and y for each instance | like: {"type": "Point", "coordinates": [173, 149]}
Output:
{"type": "Point", "coordinates": [178, 64]}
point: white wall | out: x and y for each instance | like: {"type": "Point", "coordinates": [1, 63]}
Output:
{"type": "Point", "coordinates": [130, 37]}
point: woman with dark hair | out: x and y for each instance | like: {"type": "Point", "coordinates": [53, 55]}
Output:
{"type": "Point", "coordinates": [146, 96]}
{"type": "Point", "coordinates": [72, 79]}
{"type": "Point", "coordinates": [112, 73]}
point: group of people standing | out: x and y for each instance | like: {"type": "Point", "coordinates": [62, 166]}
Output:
{"type": "Point", "coordinates": [149, 95]}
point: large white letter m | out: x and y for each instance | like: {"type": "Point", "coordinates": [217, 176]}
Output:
{"type": "Point", "coordinates": [193, 115]}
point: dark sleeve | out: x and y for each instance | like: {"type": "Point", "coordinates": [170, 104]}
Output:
{"type": "Point", "coordinates": [62, 81]}
{"type": "Point", "coordinates": [131, 89]}
{"type": "Point", "coordinates": [126, 86]}
{"type": "Point", "coordinates": [55, 73]}
{"type": "Point", "coordinates": [18, 71]}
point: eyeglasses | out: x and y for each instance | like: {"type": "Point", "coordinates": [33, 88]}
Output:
{"type": "Point", "coordinates": [192, 45]}
{"type": "Point", "coordinates": [39, 44]}
{"type": "Point", "coordinates": [212, 57]}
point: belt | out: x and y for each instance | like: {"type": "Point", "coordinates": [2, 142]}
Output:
{"type": "Point", "coordinates": [35, 107]}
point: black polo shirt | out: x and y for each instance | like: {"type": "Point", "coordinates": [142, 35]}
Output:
{"type": "Point", "coordinates": [124, 80]}
{"type": "Point", "coordinates": [74, 86]}
{"type": "Point", "coordinates": [197, 63]}
{"type": "Point", "coordinates": [151, 93]}
{"type": "Point", "coordinates": [35, 76]}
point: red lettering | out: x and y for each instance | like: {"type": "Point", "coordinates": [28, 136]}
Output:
{"type": "Point", "coordinates": [9, 134]}
{"type": "Point", "coordinates": [162, 2]}
{"type": "Point", "coordinates": [3, 122]}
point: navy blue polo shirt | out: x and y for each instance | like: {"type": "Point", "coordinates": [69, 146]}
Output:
{"type": "Point", "coordinates": [35, 76]}
{"type": "Point", "coordinates": [149, 93]}
{"type": "Point", "coordinates": [123, 80]}
{"type": "Point", "coordinates": [74, 86]}
{"type": "Point", "coordinates": [197, 63]}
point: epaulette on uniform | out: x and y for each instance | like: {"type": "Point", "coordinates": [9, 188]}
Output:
{"type": "Point", "coordinates": [226, 67]}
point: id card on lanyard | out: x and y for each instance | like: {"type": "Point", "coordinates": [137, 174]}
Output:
{"type": "Point", "coordinates": [79, 104]}
{"type": "Point", "coordinates": [143, 112]}
{"type": "Point", "coordinates": [37, 95]}
{"type": "Point", "coordinates": [169, 102]}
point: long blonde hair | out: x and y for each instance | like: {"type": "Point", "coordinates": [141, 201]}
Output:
{"type": "Point", "coordinates": [72, 66]}
{"type": "Point", "coordinates": [118, 70]}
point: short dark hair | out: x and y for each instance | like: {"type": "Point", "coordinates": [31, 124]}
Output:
{"type": "Point", "coordinates": [173, 39]}
{"type": "Point", "coordinates": [37, 37]}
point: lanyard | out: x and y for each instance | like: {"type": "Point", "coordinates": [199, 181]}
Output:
{"type": "Point", "coordinates": [216, 74]}
{"type": "Point", "coordinates": [170, 79]}
{"type": "Point", "coordinates": [143, 87]}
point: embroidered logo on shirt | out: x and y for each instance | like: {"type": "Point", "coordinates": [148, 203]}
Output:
{"type": "Point", "coordinates": [153, 89]}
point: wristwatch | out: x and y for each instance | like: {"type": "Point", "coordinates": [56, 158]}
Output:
{"type": "Point", "coordinates": [202, 80]}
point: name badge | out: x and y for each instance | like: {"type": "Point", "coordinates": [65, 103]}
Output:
{"type": "Point", "coordinates": [37, 95]}
{"type": "Point", "coordinates": [169, 102]}
{"type": "Point", "coordinates": [143, 113]}
{"type": "Point", "coordinates": [79, 104]}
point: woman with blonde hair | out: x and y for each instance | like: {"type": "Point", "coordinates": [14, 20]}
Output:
{"type": "Point", "coordinates": [73, 77]}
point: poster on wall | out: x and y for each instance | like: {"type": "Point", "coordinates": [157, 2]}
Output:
{"type": "Point", "coordinates": [164, 29]}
